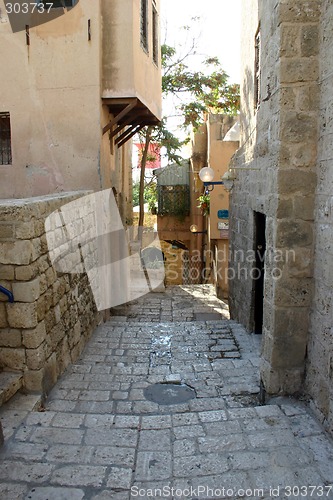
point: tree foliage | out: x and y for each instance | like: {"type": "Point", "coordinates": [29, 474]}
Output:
{"type": "Point", "coordinates": [198, 92]}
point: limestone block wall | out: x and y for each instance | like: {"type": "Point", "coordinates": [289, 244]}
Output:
{"type": "Point", "coordinates": [276, 176]}
{"type": "Point", "coordinates": [255, 187]}
{"type": "Point", "coordinates": [319, 376]}
{"type": "Point", "coordinates": [54, 314]}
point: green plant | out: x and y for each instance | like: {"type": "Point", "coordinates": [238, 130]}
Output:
{"type": "Point", "coordinates": [204, 203]}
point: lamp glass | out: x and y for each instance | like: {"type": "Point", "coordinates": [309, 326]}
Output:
{"type": "Point", "coordinates": [194, 228]}
{"type": "Point", "coordinates": [206, 174]}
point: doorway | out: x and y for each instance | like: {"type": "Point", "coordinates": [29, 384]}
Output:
{"type": "Point", "coordinates": [259, 275]}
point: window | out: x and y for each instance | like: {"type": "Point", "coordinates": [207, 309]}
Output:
{"type": "Point", "coordinates": [57, 4]}
{"type": "Point", "coordinates": [144, 24]}
{"type": "Point", "coordinates": [155, 34]}
{"type": "Point", "coordinates": [257, 69]}
{"type": "Point", "coordinates": [5, 140]}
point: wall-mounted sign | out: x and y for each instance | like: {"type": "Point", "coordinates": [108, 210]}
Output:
{"type": "Point", "coordinates": [223, 214]}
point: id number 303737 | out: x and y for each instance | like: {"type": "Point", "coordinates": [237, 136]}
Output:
{"type": "Point", "coordinates": [308, 491]}
{"type": "Point", "coordinates": [28, 7]}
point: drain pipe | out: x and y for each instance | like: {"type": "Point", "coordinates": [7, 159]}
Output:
{"type": "Point", "coordinates": [8, 293]}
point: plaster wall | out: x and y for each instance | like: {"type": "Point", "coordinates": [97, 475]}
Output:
{"type": "Point", "coordinates": [140, 77]}
{"type": "Point", "coordinates": [52, 90]}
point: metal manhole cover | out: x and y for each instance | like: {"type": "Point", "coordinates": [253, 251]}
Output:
{"type": "Point", "coordinates": [169, 394]}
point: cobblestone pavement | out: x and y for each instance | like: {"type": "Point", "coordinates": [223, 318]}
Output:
{"type": "Point", "coordinates": [99, 437]}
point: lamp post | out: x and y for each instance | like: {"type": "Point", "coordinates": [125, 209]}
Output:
{"type": "Point", "coordinates": [206, 175]}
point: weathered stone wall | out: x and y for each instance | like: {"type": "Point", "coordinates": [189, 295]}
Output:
{"type": "Point", "coordinates": [256, 183]}
{"type": "Point", "coordinates": [319, 379]}
{"type": "Point", "coordinates": [278, 155]}
{"type": "Point", "coordinates": [53, 314]}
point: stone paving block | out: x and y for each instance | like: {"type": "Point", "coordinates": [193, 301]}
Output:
{"type": "Point", "coordinates": [291, 456]}
{"type": "Point", "coordinates": [94, 395]}
{"type": "Point", "coordinates": [119, 477]}
{"type": "Point", "coordinates": [152, 465]}
{"type": "Point", "coordinates": [271, 439]}
{"type": "Point", "coordinates": [21, 471]}
{"type": "Point", "coordinates": [56, 435]}
{"type": "Point", "coordinates": [111, 437]}
{"type": "Point", "coordinates": [212, 416]}
{"type": "Point", "coordinates": [112, 455]}
{"type": "Point", "coordinates": [185, 419]}
{"type": "Point", "coordinates": [249, 460]}
{"type": "Point", "coordinates": [66, 420]}
{"type": "Point", "coordinates": [188, 431]}
{"type": "Point", "coordinates": [305, 425]}
{"type": "Point", "coordinates": [99, 420]}
{"type": "Point", "coordinates": [94, 407]}
{"type": "Point", "coordinates": [24, 451]}
{"type": "Point", "coordinates": [70, 454]}
{"type": "Point", "coordinates": [79, 475]}
{"type": "Point", "coordinates": [200, 465]}
{"type": "Point", "coordinates": [232, 442]}
{"type": "Point", "coordinates": [223, 427]}
{"type": "Point", "coordinates": [156, 422]}
{"type": "Point", "coordinates": [127, 421]}
{"type": "Point", "coordinates": [155, 440]}
{"type": "Point", "coordinates": [11, 491]}
{"type": "Point", "coordinates": [184, 447]}
{"type": "Point", "coordinates": [50, 493]}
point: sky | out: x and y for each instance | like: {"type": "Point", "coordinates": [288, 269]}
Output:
{"type": "Point", "coordinates": [218, 30]}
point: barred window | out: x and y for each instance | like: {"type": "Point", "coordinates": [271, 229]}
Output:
{"type": "Point", "coordinates": [174, 200]}
{"type": "Point", "coordinates": [155, 35]}
{"type": "Point", "coordinates": [144, 24]}
{"type": "Point", "coordinates": [5, 140]}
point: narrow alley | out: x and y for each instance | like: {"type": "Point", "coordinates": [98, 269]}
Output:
{"type": "Point", "coordinates": [164, 403]}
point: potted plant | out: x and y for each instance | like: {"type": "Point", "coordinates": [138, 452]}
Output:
{"type": "Point", "coordinates": [204, 203]}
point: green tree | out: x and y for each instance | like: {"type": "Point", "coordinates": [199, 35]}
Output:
{"type": "Point", "coordinates": [198, 92]}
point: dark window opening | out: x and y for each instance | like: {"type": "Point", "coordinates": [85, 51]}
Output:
{"type": "Point", "coordinates": [60, 4]}
{"type": "Point", "coordinates": [5, 140]}
{"type": "Point", "coordinates": [89, 30]}
{"type": "Point", "coordinates": [27, 34]}
{"type": "Point", "coordinates": [144, 24]}
{"type": "Point", "coordinates": [257, 69]}
{"type": "Point", "coordinates": [155, 35]}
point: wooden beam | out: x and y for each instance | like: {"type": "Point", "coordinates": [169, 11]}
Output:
{"type": "Point", "coordinates": [120, 115]}
{"type": "Point", "coordinates": [128, 137]}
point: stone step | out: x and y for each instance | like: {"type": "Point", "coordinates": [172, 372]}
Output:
{"type": "Point", "coordinates": [10, 384]}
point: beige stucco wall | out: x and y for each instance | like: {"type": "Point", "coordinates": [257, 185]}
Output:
{"type": "Point", "coordinates": [140, 77]}
{"type": "Point", "coordinates": [52, 91]}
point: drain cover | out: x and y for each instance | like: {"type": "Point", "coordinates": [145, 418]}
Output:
{"type": "Point", "coordinates": [169, 394]}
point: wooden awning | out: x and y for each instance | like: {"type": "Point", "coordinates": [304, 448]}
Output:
{"type": "Point", "coordinates": [130, 115]}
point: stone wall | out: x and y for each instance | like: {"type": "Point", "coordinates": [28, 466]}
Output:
{"type": "Point", "coordinates": [53, 314]}
{"type": "Point", "coordinates": [319, 377]}
{"type": "Point", "coordinates": [276, 176]}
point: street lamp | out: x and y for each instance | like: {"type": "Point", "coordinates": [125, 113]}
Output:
{"type": "Point", "coordinates": [194, 230]}
{"type": "Point", "coordinates": [206, 175]}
